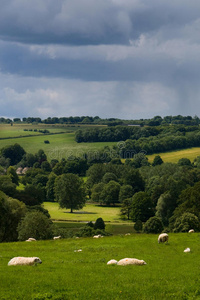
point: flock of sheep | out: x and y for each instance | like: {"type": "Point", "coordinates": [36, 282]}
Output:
{"type": "Point", "coordinates": [29, 261]}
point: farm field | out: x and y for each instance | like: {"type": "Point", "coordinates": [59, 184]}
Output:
{"type": "Point", "coordinates": [174, 156]}
{"type": "Point", "coordinates": [64, 274]}
{"type": "Point", "coordinates": [90, 212]}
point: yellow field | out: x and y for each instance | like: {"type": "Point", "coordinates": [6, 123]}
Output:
{"type": "Point", "coordinates": [174, 156]}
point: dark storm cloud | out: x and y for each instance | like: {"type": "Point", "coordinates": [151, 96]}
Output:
{"type": "Point", "coordinates": [81, 22]}
{"type": "Point", "coordinates": [120, 58]}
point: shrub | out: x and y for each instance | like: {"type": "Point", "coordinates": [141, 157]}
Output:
{"type": "Point", "coordinates": [138, 226]}
{"type": "Point", "coordinates": [186, 222]}
{"type": "Point", "coordinates": [46, 142]}
{"type": "Point", "coordinates": [35, 224]}
{"type": "Point", "coordinates": [99, 224]}
{"type": "Point", "coordinates": [153, 225]}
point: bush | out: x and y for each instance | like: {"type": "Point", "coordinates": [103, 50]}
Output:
{"type": "Point", "coordinates": [186, 222]}
{"type": "Point", "coordinates": [99, 224]}
{"type": "Point", "coordinates": [153, 225]}
{"type": "Point", "coordinates": [35, 224]}
{"type": "Point", "coordinates": [138, 226]}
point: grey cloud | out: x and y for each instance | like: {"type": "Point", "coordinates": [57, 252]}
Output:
{"type": "Point", "coordinates": [91, 22]}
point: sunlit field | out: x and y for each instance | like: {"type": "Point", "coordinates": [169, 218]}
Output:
{"type": "Point", "coordinates": [65, 274]}
{"type": "Point", "coordinates": [174, 156]}
{"type": "Point", "coordinates": [90, 212]}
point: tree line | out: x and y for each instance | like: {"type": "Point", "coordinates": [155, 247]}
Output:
{"type": "Point", "coordinates": [155, 121]}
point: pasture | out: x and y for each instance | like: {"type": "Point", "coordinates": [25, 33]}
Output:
{"type": "Point", "coordinates": [174, 156]}
{"type": "Point", "coordinates": [64, 274]}
{"type": "Point", "coordinates": [90, 212]}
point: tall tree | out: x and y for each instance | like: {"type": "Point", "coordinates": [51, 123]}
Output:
{"type": "Point", "coordinates": [70, 191]}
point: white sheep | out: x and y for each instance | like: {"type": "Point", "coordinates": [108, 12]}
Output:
{"type": "Point", "coordinates": [191, 231]}
{"type": "Point", "coordinates": [112, 262]}
{"type": "Point", "coordinates": [24, 261]}
{"type": "Point", "coordinates": [131, 261]}
{"type": "Point", "coordinates": [79, 250]}
{"type": "Point", "coordinates": [127, 234]}
{"type": "Point", "coordinates": [31, 240]}
{"type": "Point", "coordinates": [163, 237]}
{"type": "Point", "coordinates": [187, 250]}
{"type": "Point", "coordinates": [97, 236]}
{"type": "Point", "coordinates": [57, 237]}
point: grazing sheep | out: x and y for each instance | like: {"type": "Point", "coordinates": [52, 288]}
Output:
{"type": "Point", "coordinates": [191, 231]}
{"type": "Point", "coordinates": [79, 250]}
{"type": "Point", "coordinates": [31, 240]}
{"type": "Point", "coordinates": [24, 261]}
{"type": "Point", "coordinates": [112, 262]}
{"type": "Point", "coordinates": [187, 250]}
{"type": "Point", "coordinates": [163, 237]}
{"type": "Point", "coordinates": [127, 234]}
{"type": "Point", "coordinates": [131, 261]}
{"type": "Point", "coordinates": [57, 237]}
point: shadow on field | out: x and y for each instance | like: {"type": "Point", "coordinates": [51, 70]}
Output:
{"type": "Point", "coordinates": [80, 212]}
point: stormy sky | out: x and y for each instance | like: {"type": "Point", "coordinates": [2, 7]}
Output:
{"type": "Point", "coordinates": [128, 59]}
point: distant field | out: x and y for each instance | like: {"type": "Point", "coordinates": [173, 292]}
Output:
{"type": "Point", "coordinates": [90, 212]}
{"type": "Point", "coordinates": [63, 144]}
{"type": "Point", "coordinates": [174, 156]}
{"type": "Point", "coordinates": [60, 145]}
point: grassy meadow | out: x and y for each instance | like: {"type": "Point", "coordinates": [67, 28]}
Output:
{"type": "Point", "coordinates": [90, 212]}
{"type": "Point", "coordinates": [64, 274]}
{"type": "Point", "coordinates": [61, 139]}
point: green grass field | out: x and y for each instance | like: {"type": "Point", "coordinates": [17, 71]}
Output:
{"type": "Point", "coordinates": [90, 212]}
{"type": "Point", "coordinates": [64, 274]}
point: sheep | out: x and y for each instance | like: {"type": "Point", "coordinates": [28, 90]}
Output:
{"type": "Point", "coordinates": [112, 262]}
{"type": "Point", "coordinates": [24, 261]}
{"type": "Point", "coordinates": [57, 237]}
{"type": "Point", "coordinates": [31, 240]}
{"type": "Point", "coordinates": [79, 250]}
{"type": "Point", "coordinates": [163, 237]}
{"type": "Point", "coordinates": [127, 234]}
{"type": "Point", "coordinates": [131, 261]}
{"type": "Point", "coordinates": [187, 250]}
{"type": "Point", "coordinates": [191, 231]}
{"type": "Point", "coordinates": [97, 236]}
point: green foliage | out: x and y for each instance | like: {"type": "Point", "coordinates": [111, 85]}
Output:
{"type": "Point", "coordinates": [153, 225]}
{"type": "Point", "coordinates": [186, 222]}
{"type": "Point", "coordinates": [141, 207]}
{"type": "Point", "coordinates": [157, 161]}
{"type": "Point", "coordinates": [14, 153]}
{"type": "Point", "coordinates": [110, 193]}
{"type": "Point", "coordinates": [99, 224]}
{"type": "Point", "coordinates": [165, 207]}
{"type": "Point", "coordinates": [138, 226]}
{"type": "Point", "coordinates": [50, 196]}
{"type": "Point", "coordinates": [70, 191]}
{"type": "Point", "coordinates": [126, 191]}
{"type": "Point", "coordinates": [13, 175]}
{"type": "Point", "coordinates": [184, 162]}
{"type": "Point", "coordinates": [11, 212]}
{"type": "Point", "coordinates": [35, 224]}
{"type": "Point", "coordinates": [7, 186]}
{"type": "Point", "coordinates": [126, 208]}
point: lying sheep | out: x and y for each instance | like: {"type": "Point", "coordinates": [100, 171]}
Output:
{"type": "Point", "coordinates": [24, 261]}
{"type": "Point", "coordinates": [163, 237]}
{"type": "Point", "coordinates": [31, 240]}
{"type": "Point", "coordinates": [191, 231]}
{"type": "Point", "coordinates": [57, 237]}
{"type": "Point", "coordinates": [131, 261]}
{"type": "Point", "coordinates": [97, 236]}
{"type": "Point", "coordinates": [187, 250]}
{"type": "Point", "coordinates": [112, 262]}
